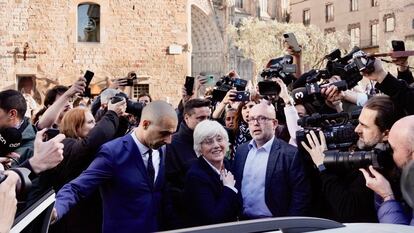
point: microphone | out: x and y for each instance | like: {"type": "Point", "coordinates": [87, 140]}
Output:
{"type": "Point", "coordinates": [300, 94]}
{"type": "Point", "coordinates": [10, 140]}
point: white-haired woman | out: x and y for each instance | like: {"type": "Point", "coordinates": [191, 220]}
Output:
{"type": "Point", "coordinates": [209, 186]}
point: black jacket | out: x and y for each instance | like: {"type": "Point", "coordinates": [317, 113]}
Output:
{"type": "Point", "coordinates": [78, 154]}
{"type": "Point", "coordinates": [180, 156]}
{"type": "Point", "coordinates": [400, 93]}
{"type": "Point", "coordinates": [208, 201]}
{"type": "Point", "coordinates": [346, 197]}
{"type": "Point", "coordinates": [287, 187]}
{"type": "Point", "coordinates": [406, 75]}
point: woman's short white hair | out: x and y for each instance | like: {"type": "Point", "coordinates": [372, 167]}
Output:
{"type": "Point", "coordinates": [207, 129]}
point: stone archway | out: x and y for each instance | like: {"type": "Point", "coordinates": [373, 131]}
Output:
{"type": "Point", "coordinates": [207, 53]}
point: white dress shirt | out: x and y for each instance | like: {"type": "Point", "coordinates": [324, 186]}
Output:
{"type": "Point", "coordinates": [253, 181]}
{"type": "Point", "coordinates": [144, 153]}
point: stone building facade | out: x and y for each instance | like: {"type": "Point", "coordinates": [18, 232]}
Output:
{"type": "Point", "coordinates": [370, 23]}
{"type": "Point", "coordinates": [44, 43]}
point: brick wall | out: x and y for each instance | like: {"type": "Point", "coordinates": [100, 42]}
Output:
{"type": "Point", "coordinates": [135, 35]}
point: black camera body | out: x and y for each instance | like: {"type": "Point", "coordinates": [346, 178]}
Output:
{"type": "Point", "coordinates": [225, 84]}
{"type": "Point", "coordinates": [314, 88]}
{"type": "Point", "coordinates": [338, 129]}
{"type": "Point", "coordinates": [337, 65]}
{"type": "Point", "coordinates": [361, 63]}
{"type": "Point", "coordinates": [242, 96]}
{"type": "Point", "coordinates": [280, 67]}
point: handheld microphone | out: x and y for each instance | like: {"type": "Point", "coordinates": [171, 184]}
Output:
{"type": "Point", "coordinates": [10, 140]}
{"type": "Point", "coordinates": [300, 94]}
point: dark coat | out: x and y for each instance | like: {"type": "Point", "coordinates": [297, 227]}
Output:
{"type": "Point", "coordinates": [130, 202]}
{"type": "Point", "coordinates": [207, 200]}
{"type": "Point", "coordinates": [346, 197]}
{"type": "Point", "coordinates": [180, 157]}
{"type": "Point", "coordinates": [287, 188]}
{"type": "Point", "coordinates": [406, 75]}
{"type": "Point", "coordinates": [25, 150]}
{"type": "Point", "coordinates": [401, 95]}
{"type": "Point", "coordinates": [78, 154]}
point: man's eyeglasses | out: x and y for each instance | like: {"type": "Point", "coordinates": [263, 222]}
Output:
{"type": "Point", "coordinates": [259, 119]}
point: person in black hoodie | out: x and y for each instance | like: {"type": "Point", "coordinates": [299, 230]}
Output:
{"type": "Point", "coordinates": [83, 139]}
{"type": "Point", "coordinates": [180, 153]}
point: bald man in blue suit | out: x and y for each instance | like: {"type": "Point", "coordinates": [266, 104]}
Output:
{"type": "Point", "coordinates": [130, 174]}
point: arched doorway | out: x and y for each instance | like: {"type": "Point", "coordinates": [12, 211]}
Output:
{"type": "Point", "coordinates": [207, 42]}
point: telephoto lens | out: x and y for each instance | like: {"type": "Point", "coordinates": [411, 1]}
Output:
{"type": "Point", "coordinates": [336, 160]}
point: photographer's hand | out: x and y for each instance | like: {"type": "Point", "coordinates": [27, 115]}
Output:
{"type": "Point", "coordinates": [51, 115]}
{"type": "Point", "coordinates": [297, 58]}
{"type": "Point", "coordinates": [230, 95]}
{"type": "Point", "coordinates": [333, 97]}
{"type": "Point", "coordinates": [77, 87]}
{"type": "Point", "coordinates": [118, 83]}
{"type": "Point", "coordinates": [378, 183]}
{"type": "Point", "coordinates": [401, 63]}
{"type": "Point", "coordinates": [315, 149]}
{"type": "Point", "coordinates": [48, 154]}
{"type": "Point", "coordinates": [284, 94]}
{"type": "Point", "coordinates": [54, 216]}
{"type": "Point", "coordinates": [379, 73]}
{"type": "Point", "coordinates": [119, 107]}
{"type": "Point", "coordinates": [8, 202]}
{"type": "Point", "coordinates": [200, 86]}
{"type": "Point", "coordinates": [184, 95]}
{"type": "Point", "coordinates": [220, 109]}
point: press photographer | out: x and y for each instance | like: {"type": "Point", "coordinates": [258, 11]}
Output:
{"type": "Point", "coordinates": [346, 195]}
{"type": "Point", "coordinates": [12, 109]}
{"type": "Point", "coordinates": [390, 208]}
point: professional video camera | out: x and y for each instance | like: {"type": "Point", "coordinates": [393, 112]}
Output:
{"type": "Point", "coordinates": [349, 72]}
{"type": "Point", "coordinates": [226, 83]}
{"type": "Point", "coordinates": [313, 87]}
{"type": "Point", "coordinates": [379, 158]}
{"type": "Point", "coordinates": [280, 67]}
{"type": "Point", "coordinates": [338, 129]}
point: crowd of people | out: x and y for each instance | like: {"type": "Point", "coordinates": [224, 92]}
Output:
{"type": "Point", "coordinates": [124, 165]}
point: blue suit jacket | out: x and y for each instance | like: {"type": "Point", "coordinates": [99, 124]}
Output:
{"type": "Point", "coordinates": [287, 189]}
{"type": "Point", "coordinates": [130, 202]}
{"type": "Point", "coordinates": [208, 201]}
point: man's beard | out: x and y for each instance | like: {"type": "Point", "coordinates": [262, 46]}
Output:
{"type": "Point", "coordinates": [363, 146]}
